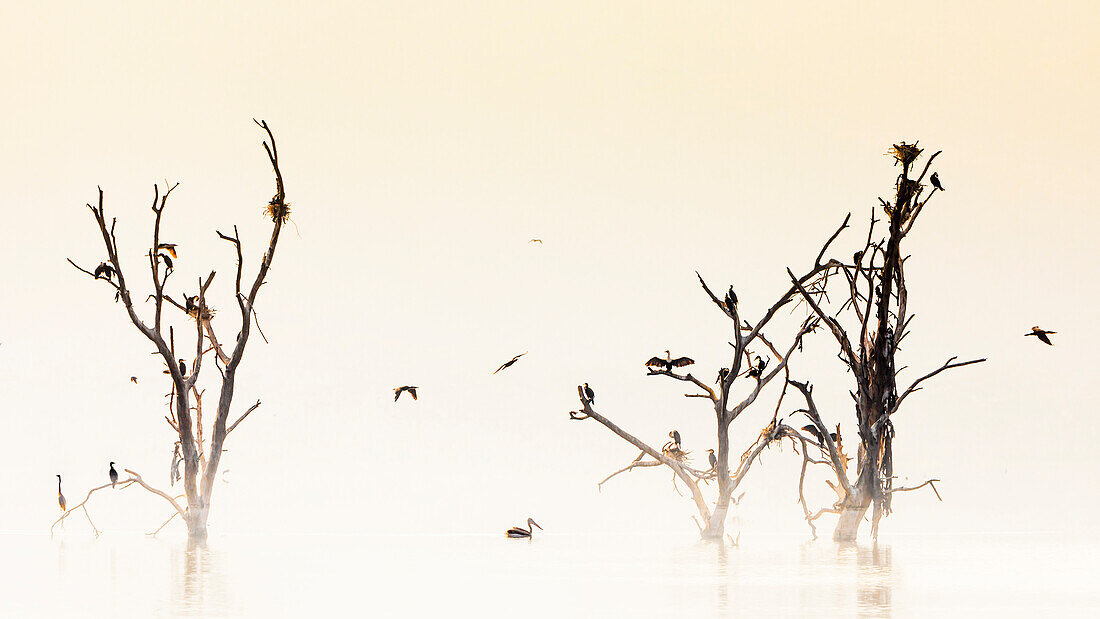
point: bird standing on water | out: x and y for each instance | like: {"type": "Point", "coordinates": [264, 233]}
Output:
{"type": "Point", "coordinates": [520, 532]}
{"type": "Point", "coordinates": [668, 362]}
{"type": "Point", "coordinates": [113, 474]}
{"type": "Point", "coordinates": [508, 364]}
{"type": "Point", "coordinates": [61, 497]}
{"type": "Point", "coordinates": [398, 391]}
{"type": "Point", "coordinates": [935, 178]}
{"type": "Point", "coordinates": [1041, 334]}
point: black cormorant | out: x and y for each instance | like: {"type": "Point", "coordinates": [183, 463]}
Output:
{"type": "Point", "coordinates": [935, 178]}
{"type": "Point", "coordinates": [668, 362]}
{"type": "Point", "coordinates": [713, 459]}
{"type": "Point", "coordinates": [133, 379]}
{"type": "Point", "coordinates": [509, 363]}
{"type": "Point", "coordinates": [104, 270]}
{"type": "Point", "coordinates": [1041, 334]}
{"type": "Point", "coordinates": [675, 436]}
{"type": "Point", "coordinates": [168, 247]}
{"type": "Point", "coordinates": [166, 259]}
{"type": "Point", "coordinates": [520, 532]}
{"type": "Point", "coordinates": [113, 474]}
{"type": "Point", "coordinates": [411, 389]}
{"type": "Point", "coordinates": [589, 394]}
{"type": "Point", "coordinates": [183, 369]}
{"type": "Point", "coordinates": [722, 374]}
{"type": "Point", "coordinates": [812, 429]}
{"type": "Point", "coordinates": [61, 497]}
{"type": "Point", "coordinates": [731, 300]}
{"type": "Point", "coordinates": [755, 372]}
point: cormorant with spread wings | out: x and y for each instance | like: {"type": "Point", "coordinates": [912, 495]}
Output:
{"type": "Point", "coordinates": [668, 362]}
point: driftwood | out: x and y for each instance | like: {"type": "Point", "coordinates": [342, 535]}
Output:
{"type": "Point", "coordinates": [200, 465]}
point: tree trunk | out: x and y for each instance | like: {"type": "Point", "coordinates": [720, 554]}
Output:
{"type": "Point", "coordinates": [716, 525]}
{"type": "Point", "coordinates": [196, 524]}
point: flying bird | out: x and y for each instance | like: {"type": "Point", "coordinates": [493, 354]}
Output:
{"type": "Point", "coordinates": [1041, 334]}
{"type": "Point", "coordinates": [589, 394]}
{"type": "Point", "coordinates": [61, 497]}
{"type": "Point", "coordinates": [713, 459]}
{"type": "Point", "coordinates": [168, 247]}
{"type": "Point", "coordinates": [509, 363]}
{"type": "Point", "coordinates": [520, 532]}
{"type": "Point", "coordinates": [539, 241]}
{"type": "Point", "coordinates": [668, 362]}
{"type": "Point", "coordinates": [398, 391]}
{"type": "Point", "coordinates": [675, 436]}
{"type": "Point", "coordinates": [935, 178]}
{"type": "Point", "coordinates": [133, 379]}
{"type": "Point", "coordinates": [113, 474]}
{"type": "Point", "coordinates": [104, 270]}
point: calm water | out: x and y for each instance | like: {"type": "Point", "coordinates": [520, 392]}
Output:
{"type": "Point", "coordinates": [118, 576]}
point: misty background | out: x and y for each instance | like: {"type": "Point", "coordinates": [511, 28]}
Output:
{"type": "Point", "coordinates": [423, 144]}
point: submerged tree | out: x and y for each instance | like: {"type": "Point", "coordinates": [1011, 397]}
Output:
{"type": "Point", "coordinates": [200, 465]}
{"type": "Point", "coordinates": [876, 307]}
{"type": "Point", "coordinates": [746, 367]}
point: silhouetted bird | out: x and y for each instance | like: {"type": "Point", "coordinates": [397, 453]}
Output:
{"type": "Point", "coordinates": [812, 429]}
{"type": "Point", "coordinates": [589, 394]}
{"type": "Point", "coordinates": [856, 257]}
{"type": "Point", "coordinates": [113, 474]}
{"type": "Point", "coordinates": [166, 259]}
{"type": "Point", "coordinates": [722, 374]}
{"type": "Point", "coordinates": [398, 391]}
{"type": "Point", "coordinates": [668, 362]}
{"type": "Point", "coordinates": [508, 364]}
{"type": "Point", "coordinates": [133, 379]}
{"type": "Point", "coordinates": [520, 532]}
{"type": "Point", "coordinates": [1041, 334]}
{"type": "Point", "coordinates": [189, 304]}
{"type": "Point", "coordinates": [755, 372]}
{"type": "Point", "coordinates": [935, 178]}
{"type": "Point", "coordinates": [731, 300]}
{"type": "Point", "coordinates": [104, 270]}
{"type": "Point", "coordinates": [168, 247]}
{"type": "Point", "coordinates": [183, 368]}
{"type": "Point", "coordinates": [675, 436]}
{"type": "Point", "coordinates": [713, 459]}
{"type": "Point", "coordinates": [61, 497]}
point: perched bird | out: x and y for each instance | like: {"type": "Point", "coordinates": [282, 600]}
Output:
{"type": "Point", "coordinates": [168, 247]}
{"type": "Point", "coordinates": [113, 474]}
{"type": "Point", "coordinates": [812, 429]}
{"type": "Point", "coordinates": [104, 270]}
{"type": "Point", "coordinates": [589, 394]}
{"type": "Point", "coordinates": [675, 436]}
{"type": "Point", "coordinates": [856, 257]}
{"type": "Point", "coordinates": [398, 391]}
{"type": "Point", "coordinates": [1041, 334]}
{"type": "Point", "coordinates": [539, 241]}
{"type": "Point", "coordinates": [520, 532]}
{"type": "Point", "coordinates": [668, 362]}
{"type": "Point", "coordinates": [183, 368]}
{"type": "Point", "coordinates": [133, 379]}
{"type": "Point", "coordinates": [756, 371]}
{"type": "Point", "coordinates": [509, 363]}
{"type": "Point", "coordinates": [61, 497]}
{"type": "Point", "coordinates": [935, 178]}
{"type": "Point", "coordinates": [722, 374]}
{"type": "Point", "coordinates": [166, 259]}
{"type": "Point", "coordinates": [189, 303]}
{"type": "Point", "coordinates": [713, 459]}
{"type": "Point", "coordinates": [731, 299]}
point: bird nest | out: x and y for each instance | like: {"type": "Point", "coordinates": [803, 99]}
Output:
{"type": "Point", "coordinates": [277, 211]}
{"type": "Point", "coordinates": [905, 153]}
{"type": "Point", "coordinates": [677, 454]}
{"type": "Point", "coordinates": [207, 313]}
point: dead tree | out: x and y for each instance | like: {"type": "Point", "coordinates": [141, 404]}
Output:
{"type": "Point", "coordinates": [875, 306]}
{"type": "Point", "coordinates": [742, 370]}
{"type": "Point", "coordinates": [200, 457]}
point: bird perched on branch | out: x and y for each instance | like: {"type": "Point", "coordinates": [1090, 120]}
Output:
{"type": "Point", "coordinates": [168, 247]}
{"type": "Point", "coordinates": [1041, 334]}
{"type": "Point", "coordinates": [520, 532]}
{"type": "Point", "coordinates": [731, 300]}
{"type": "Point", "coordinates": [61, 497]}
{"type": "Point", "coordinates": [398, 391]}
{"type": "Point", "coordinates": [756, 371]}
{"type": "Point", "coordinates": [675, 436]}
{"type": "Point", "coordinates": [713, 459]}
{"type": "Point", "coordinates": [183, 368]}
{"type": "Point", "coordinates": [189, 304]}
{"type": "Point", "coordinates": [935, 178]}
{"type": "Point", "coordinates": [508, 364]}
{"type": "Point", "coordinates": [668, 362]}
{"type": "Point", "coordinates": [722, 374]}
{"type": "Point", "coordinates": [104, 270]}
{"type": "Point", "coordinates": [166, 259]}
{"type": "Point", "coordinates": [589, 394]}
{"type": "Point", "coordinates": [812, 429]}
{"type": "Point", "coordinates": [113, 474]}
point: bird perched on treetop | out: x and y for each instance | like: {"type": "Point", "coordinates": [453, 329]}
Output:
{"type": "Point", "coordinates": [935, 178]}
{"type": "Point", "coordinates": [1041, 334]}
{"type": "Point", "coordinates": [397, 392]}
{"type": "Point", "coordinates": [731, 300]}
{"type": "Point", "coordinates": [589, 394]}
{"type": "Point", "coordinates": [668, 362]}
{"type": "Point", "coordinates": [104, 270]}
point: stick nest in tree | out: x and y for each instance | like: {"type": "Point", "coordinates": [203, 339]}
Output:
{"type": "Point", "coordinates": [277, 211]}
{"type": "Point", "coordinates": [905, 153]}
{"type": "Point", "coordinates": [207, 313]}
{"type": "Point", "coordinates": [677, 454]}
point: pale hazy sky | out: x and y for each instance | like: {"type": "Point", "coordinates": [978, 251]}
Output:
{"type": "Point", "coordinates": [424, 143]}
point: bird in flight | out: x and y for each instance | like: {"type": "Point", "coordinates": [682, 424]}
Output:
{"type": "Point", "coordinates": [1041, 334]}
{"type": "Point", "coordinates": [133, 379]}
{"type": "Point", "coordinates": [539, 241]}
{"type": "Point", "coordinates": [668, 362]}
{"type": "Point", "coordinates": [104, 270]}
{"type": "Point", "coordinates": [168, 247]}
{"type": "Point", "coordinates": [935, 178]}
{"type": "Point", "coordinates": [397, 392]}
{"type": "Point", "coordinates": [509, 363]}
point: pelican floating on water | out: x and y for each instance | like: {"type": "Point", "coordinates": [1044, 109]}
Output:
{"type": "Point", "coordinates": [520, 532]}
